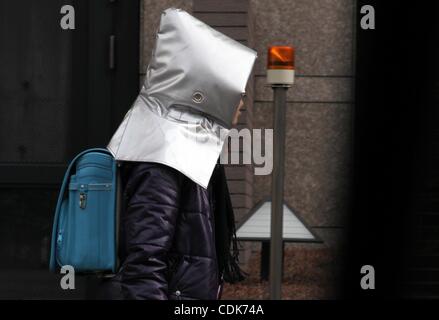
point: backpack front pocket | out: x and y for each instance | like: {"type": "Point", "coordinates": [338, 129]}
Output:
{"type": "Point", "coordinates": [90, 225]}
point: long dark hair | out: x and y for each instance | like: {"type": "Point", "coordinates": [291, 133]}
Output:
{"type": "Point", "coordinates": [225, 231]}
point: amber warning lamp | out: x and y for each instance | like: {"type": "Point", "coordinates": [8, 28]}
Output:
{"type": "Point", "coordinates": [280, 65]}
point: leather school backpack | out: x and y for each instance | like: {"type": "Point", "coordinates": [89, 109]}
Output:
{"type": "Point", "coordinates": [85, 226]}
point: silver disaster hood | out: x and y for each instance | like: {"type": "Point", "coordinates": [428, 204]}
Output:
{"type": "Point", "coordinates": [185, 108]}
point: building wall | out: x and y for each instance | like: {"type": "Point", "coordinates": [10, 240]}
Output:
{"type": "Point", "coordinates": [318, 137]}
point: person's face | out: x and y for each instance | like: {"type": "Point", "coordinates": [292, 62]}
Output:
{"type": "Point", "coordinates": [238, 112]}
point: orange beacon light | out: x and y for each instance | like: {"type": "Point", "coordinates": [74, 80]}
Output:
{"type": "Point", "coordinates": [280, 65]}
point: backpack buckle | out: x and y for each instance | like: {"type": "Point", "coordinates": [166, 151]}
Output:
{"type": "Point", "coordinates": [82, 200]}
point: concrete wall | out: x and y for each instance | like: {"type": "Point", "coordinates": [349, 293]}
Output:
{"type": "Point", "coordinates": [318, 141]}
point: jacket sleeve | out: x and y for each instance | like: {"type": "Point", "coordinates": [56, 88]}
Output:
{"type": "Point", "coordinates": [152, 196]}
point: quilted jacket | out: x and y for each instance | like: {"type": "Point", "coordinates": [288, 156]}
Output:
{"type": "Point", "coordinates": [167, 236]}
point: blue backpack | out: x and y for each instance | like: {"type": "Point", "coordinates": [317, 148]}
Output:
{"type": "Point", "coordinates": [85, 227]}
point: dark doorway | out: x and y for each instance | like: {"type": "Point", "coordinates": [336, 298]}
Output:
{"type": "Point", "coordinates": [61, 91]}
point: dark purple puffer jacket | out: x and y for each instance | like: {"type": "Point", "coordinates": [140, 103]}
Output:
{"type": "Point", "coordinates": [167, 235]}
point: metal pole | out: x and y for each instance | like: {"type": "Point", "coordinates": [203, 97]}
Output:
{"type": "Point", "coordinates": [277, 192]}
